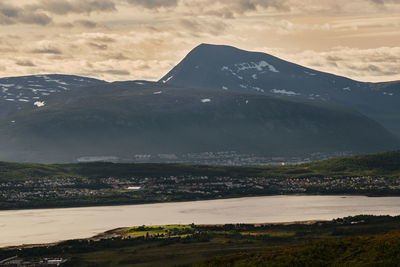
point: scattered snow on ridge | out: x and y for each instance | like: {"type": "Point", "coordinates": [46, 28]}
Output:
{"type": "Point", "coordinates": [310, 73]}
{"type": "Point", "coordinates": [258, 89]}
{"type": "Point", "coordinates": [347, 89]}
{"type": "Point", "coordinates": [225, 68]}
{"type": "Point", "coordinates": [253, 65]}
{"type": "Point", "coordinates": [206, 100]}
{"type": "Point", "coordinates": [386, 93]}
{"type": "Point", "coordinates": [284, 92]}
{"type": "Point", "coordinates": [48, 79]}
{"type": "Point", "coordinates": [254, 76]}
{"type": "Point", "coordinates": [23, 100]}
{"type": "Point", "coordinates": [39, 104]}
{"type": "Point", "coordinates": [224, 87]}
{"type": "Point", "coordinates": [157, 93]}
{"type": "Point", "coordinates": [7, 85]}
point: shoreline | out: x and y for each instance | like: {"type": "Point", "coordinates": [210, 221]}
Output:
{"type": "Point", "coordinates": [189, 200]}
{"type": "Point", "coordinates": [116, 232]}
{"type": "Point", "coordinates": [26, 228]}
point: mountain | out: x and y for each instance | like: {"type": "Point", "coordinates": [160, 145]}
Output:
{"type": "Point", "coordinates": [29, 92]}
{"type": "Point", "coordinates": [229, 68]}
{"type": "Point", "coordinates": [123, 119]}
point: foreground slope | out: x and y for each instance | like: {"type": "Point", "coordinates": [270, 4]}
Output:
{"type": "Point", "coordinates": [350, 241]}
{"type": "Point", "coordinates": [229, 68]}
{"type": "Point", "coordinates": [127, 118]}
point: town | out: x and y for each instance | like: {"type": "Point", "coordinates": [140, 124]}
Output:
{"type": "Point", "coordinates": [220, 158]}
{"type": "Point", "coordinates": [70, 191]}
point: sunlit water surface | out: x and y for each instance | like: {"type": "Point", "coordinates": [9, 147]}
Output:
{"type": "Point", "coordinates": [49, 225]}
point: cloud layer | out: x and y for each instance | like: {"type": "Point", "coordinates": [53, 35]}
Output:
{"type": "Point", "coordinates": [143, 39]}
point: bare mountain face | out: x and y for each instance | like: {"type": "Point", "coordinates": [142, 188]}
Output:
{"type": "Point", "coordinates": [126, 118]}
{"type": "Point", "coordinates": [228, 68]}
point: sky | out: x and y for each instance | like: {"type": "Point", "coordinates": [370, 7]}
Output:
{"type": "Point", "coordinates": [144, 39]}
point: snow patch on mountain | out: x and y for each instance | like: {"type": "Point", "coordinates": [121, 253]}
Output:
{"type": "Point", "coordinates": [284, 92]}
{"type": "Point", "coordinates": [7, 85]}
{"type": "Point", "coordinates": [254, 65]}
{"type": "Point", "coordinates": [169, 78]}
{"type": "Point", "coordinates": [39, 104]}
{"type": "Point", "coordinates": [206, 100]}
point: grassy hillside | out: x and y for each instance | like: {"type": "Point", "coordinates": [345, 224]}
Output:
{"type": "Point", "coordinates": [380, 164]}
{"type": "Point", "coordinates": [376, 250]}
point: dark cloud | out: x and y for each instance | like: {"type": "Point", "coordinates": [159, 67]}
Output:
{"type": "Point", "coordinates": [384, 2]}
{"type": "Point", "coordinates": [54, 51]}
{"type": "Point", "coordinates": [62, 7]}
{"type": "Point", "coordinates": [214, 27]}
{"type": "Point", "coordinates": [251, 5]}
{"type": "Point", "coordinates": [13, 15]}
{"type": "Point", "coordinates": [230, 8]}
{"type": "Point", "coordinates": [25, 63]}
{"type": "Point", "coordinates": [79, 23]}
{"type": "Point", "coordinates": [116, 56]}
{"type": "Point", "coordinates": [86, 23]}
{"type": "Point", "coordinates": [115, 72]}
{"type": "Point", "coordinates": [374, 69]}
{"type": "Point", "coordinates": [98, 46]}
{"type": "Point", "coordinates": [153, 4]}
{"type": "Point", "coordinates": [103, 38]}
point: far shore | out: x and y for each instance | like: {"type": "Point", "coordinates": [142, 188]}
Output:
{"type": "Point", "coordinates": [190, 200]}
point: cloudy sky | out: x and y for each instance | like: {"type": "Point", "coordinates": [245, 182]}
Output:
{"type": "Point", "coordinates": [143, 39]}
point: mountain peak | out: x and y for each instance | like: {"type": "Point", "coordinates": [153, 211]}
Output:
{"type": "Point", "coordinates": [225, 67]}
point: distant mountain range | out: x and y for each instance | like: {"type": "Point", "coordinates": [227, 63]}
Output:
{"type": "Point", "coordinates": [217, 99]}
{"type": "Point", "coordinates": [229, 68]}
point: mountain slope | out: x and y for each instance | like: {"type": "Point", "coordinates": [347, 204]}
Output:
{"type": "Point", "coordinates": [127, 118]}
{"type": "Point", "coordinates": [229, 68]}
{"type": "Point", "coordinates": [29, 92]}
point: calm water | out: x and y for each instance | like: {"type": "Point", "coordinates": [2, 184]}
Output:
{"type": "Point", "coordinates": [49, 225]}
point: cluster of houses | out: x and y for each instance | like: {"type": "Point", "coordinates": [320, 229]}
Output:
{"type": "Point", "coordinates": [15, 261]}
{"type": "Point", "coordinates": [147, 188]}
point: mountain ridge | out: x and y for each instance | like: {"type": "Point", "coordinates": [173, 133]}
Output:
{"type": "Point", "coordinates": [230, 68]}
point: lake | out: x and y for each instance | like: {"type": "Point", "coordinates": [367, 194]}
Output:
{"type": "Point", "coordinates": [19, 227]}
